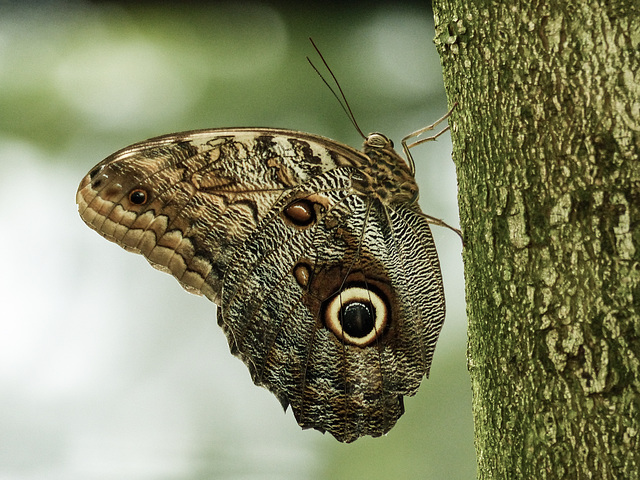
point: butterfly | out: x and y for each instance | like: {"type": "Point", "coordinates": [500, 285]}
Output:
{"type": "Point", "coordinates": [321, 262]}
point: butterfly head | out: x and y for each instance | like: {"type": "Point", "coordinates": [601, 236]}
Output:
{"type": "Point", "coordinates": [378, 141]}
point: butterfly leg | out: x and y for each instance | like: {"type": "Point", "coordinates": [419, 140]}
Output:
{"type": "Point", "coordinates": [417, 133]}
{"type": "Point", "coordinates": [442, 223]}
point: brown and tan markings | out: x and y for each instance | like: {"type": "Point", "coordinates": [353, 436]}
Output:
{"type": "Point", "coordinates": [318, 256]}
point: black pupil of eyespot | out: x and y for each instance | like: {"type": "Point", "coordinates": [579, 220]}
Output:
{"type": "Point", "coordinates": [138, 197]}
{"type": "Point", "coordinates": [357, 319]}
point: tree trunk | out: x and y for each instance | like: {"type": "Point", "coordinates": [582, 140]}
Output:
{"type": "Point", "coordinates": [546, 141]}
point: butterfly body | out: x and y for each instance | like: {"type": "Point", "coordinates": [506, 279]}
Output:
{"type": "Point", "coordinates": [318, 256]}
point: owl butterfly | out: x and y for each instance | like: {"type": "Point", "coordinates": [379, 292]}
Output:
{"type": "Point", "coordinates": [317, 255]}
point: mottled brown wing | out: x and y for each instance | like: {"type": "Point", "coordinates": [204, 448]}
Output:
{"type": "Point", "coordinates": [204, 193]}
{"type": "Point", "coordinates": [329, 292]}
{"type": "Point", "coordinates": [277, 310]}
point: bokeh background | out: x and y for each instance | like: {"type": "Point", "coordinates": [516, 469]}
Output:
{"type": "Point", "coordinates": [108, 369]}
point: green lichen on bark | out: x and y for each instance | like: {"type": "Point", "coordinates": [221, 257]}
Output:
{"type": "Point", "coordinates": [547, 147]}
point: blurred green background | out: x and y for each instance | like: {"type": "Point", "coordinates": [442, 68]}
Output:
{"type": "Point", "coordinates": [108, 370]}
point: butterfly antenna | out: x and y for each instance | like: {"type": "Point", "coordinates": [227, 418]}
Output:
{"type": "Point", "coordinates": [342, 98]}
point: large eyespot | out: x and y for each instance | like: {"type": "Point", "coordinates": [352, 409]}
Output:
{"type": "Point", "coordinates": [138, 196]}
{"type": "Point", "coordinates": [356, 315]}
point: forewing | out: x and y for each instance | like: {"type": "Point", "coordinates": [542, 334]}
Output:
{"type": "Point", "coordinates": [206, 191]}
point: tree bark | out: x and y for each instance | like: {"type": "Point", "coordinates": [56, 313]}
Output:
{"type": "Point", "coordinates": [546, 139]}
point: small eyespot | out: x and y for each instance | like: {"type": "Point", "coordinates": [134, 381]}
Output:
{"type": "Point", "coordinates": [356, 315]}
{"type": "Point", "coordinates": [300, 213]}
{"type": "Point", "coordinates": [138, 196]}
{"type": "Point", "coordinates": [305, 211]}
{"type": "Point", "coordinates": [302, 274]}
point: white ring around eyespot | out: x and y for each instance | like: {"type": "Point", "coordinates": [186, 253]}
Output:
{"type": "Point", "coordinates": [356, 294]}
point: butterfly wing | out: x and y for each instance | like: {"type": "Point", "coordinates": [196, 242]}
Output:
{"type": "Point", "coordinates": [331, 295]}
{"type": "Point", "coordinates": [204, 192]}
{"type": "Point", "coordinates": [283, 324]}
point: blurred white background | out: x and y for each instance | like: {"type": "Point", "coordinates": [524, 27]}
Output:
{"type": "Point", "coordinates": [108, 369]}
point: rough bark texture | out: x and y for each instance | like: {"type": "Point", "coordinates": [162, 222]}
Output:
{"type": "Point", "coordinates": [546, 142]}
